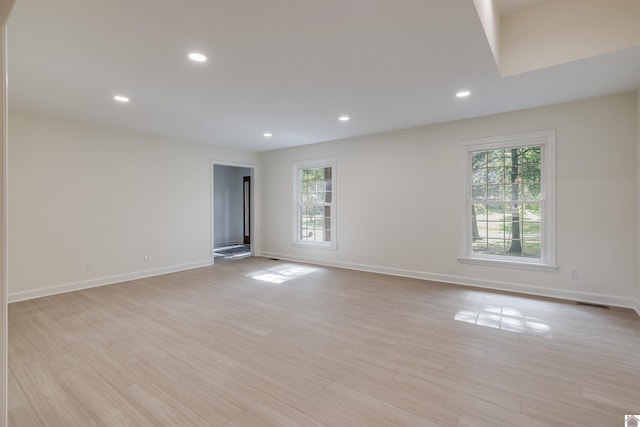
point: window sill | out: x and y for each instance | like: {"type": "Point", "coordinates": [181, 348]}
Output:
{"type": "Point", "coordinates": [315, 245]}
{"type": "Point", "coordinates": [509, 264]}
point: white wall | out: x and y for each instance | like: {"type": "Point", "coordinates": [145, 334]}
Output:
{"type": "Point", "coordinates": [228, 204]}
{"type": "Point", "coordinates": [80, 192]}
{"type": "Point", "coordinates": [550, 32]}
{"type": "Point", "coordinates": [638, 189]}
{"type": "Point", "coordinates": [490, 19]}
{"type": "Point", "coordinates": [399, 199]}
{"type": "Point", "coordinates": [5, 10]}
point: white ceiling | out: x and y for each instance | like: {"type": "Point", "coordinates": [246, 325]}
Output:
{"type": "Point", "coordinates": [290, 67]}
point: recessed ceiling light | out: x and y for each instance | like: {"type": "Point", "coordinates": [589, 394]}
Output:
{"type": "Point", "coordinates": [463, 94]}
{"type": "Point", "coordinates": [267, 135]}
{"type": "Point", "coordinates": [197, 57]}
{"type": "Point", "coordinates": [121, 98]}
{"type": "Point", "coordinates": [344, 118]}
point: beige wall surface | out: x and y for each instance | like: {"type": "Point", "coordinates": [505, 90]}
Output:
{"type": "Point", "coordinates": [399, 198]}
{"type": "Point", "coordinates": [638, 207]}
{"type": "Point", "coordinates": [3, 285]}
{"type": "Point", "coordinates": [5, 10]}
{"type": "Point", "coordinates": [81, 193]}
{"type": "Point", "coordinates": [552, 32]}
{"type": "Point", "coordinates": [490, 19]}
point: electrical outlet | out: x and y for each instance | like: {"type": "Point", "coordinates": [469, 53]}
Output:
{"type": "Point", "coordinates": [89, 265]}
{"type": "Point", "coordinates": [573, 273]}
{"type": "Point", "coordinates": [147, 258]}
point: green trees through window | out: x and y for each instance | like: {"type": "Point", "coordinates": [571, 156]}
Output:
{"type": "Point", "coordinates": [506, 201]}
{"type": "Point", "coordinates": [315, 202]}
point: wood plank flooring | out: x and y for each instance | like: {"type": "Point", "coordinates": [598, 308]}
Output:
{"type": "Point", "coordinates": [259, 342]}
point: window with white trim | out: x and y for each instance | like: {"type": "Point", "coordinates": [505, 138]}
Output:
{"type": "Point", "coordinates": [510, 201]}
{"type": "Point", "coordinates": [315, 203]}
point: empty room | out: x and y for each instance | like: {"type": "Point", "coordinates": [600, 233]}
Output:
{"type": "Point", "coordinates": [320, 213]}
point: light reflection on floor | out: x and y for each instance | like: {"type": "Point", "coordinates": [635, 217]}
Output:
{"type": "Point", "coordinates": [507, 319]}
{"type": "Point", "coordinates": [282, 273]}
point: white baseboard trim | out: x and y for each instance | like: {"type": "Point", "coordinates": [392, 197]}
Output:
{"type": "Point", "coordinates": [637, 307]}
{"type": "Point", "coordinates": [589, 297]}
{"type": "Point", "coordinates": [102, 281]}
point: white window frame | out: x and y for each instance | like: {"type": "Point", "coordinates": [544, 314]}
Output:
{"type": "Point", "coordinates": [547, 260]}
{"type": "Point", "coordinates": [297, 181]}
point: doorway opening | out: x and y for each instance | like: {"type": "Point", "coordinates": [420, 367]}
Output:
{"type": "Point", "coordinates": [232, 207]}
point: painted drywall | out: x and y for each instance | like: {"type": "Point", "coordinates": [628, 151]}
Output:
{"type": "Point", "coordinates": [638, 206]}
{"type": "Point", "coordinates": [5, 10]}
{"type": "Point", "coordinates": [81, 193]}
{"type": "Point", "coordinates": [4, 13]}
{"type": "Point", "coordinates": [490, 18]}
{"type": "Point", "coordinates": [550, 32]}
{"type": "Point", "coordinates": [228, 204]}
{"type": "Point", "coordinates": [399, 198]}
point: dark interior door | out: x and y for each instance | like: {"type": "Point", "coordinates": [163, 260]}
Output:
{"type": "Point", "coordinates": [246, 205]}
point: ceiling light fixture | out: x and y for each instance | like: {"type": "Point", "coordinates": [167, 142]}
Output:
{"type": "Point", "coordinates": [197, 57]}
{"type": "Point", "coordinates": [267, 135]}
{"type": "Point", "coordinates": [344, 118]}
{"type": "Point", "coordinates": [463, 94]}
{"type": "Point", "coordinates": [121, 98]}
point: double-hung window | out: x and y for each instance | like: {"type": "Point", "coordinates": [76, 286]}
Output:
{"type": "Point", "coordinates": [509, 211]}
{"type": "Point", "coordinates": [315, 203]}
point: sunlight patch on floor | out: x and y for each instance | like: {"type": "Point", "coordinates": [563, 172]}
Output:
{"type": "Point", "coordinates": [507, 319]}
{"type": "Point", "coordinates": [281, 273]}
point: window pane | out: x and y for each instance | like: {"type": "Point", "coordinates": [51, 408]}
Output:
{"type": "Point", "coordinates": [531, 191]}
{"type": "Point", "coordinates": [531, 248]}
{"type": "Point", "coordinates": [479, 176]}
{"type": "Point", "coordinates": [495, 158]}
{"type": "Point", "coordinates": [495, 175]}
{"type": "Point", "coordinates": [496, 246]}
{"type": "Point", "coordinates": [480, 246]}
{"type": "Point", "coordinates": [513, 192]}
{"type": "Point", "coordinates": [479, 160]}
{"type": "Point", "coordinates": [495, 212]}
{"type": "Point", "coordinates": [496, 192]}
{"type": "Point", "coordinates": [505, 229]}
{"type": "Point", "coordinates": [531, 230]}
{"type": "Point", "coordinates": [479, 192]}
{"type": "Point", "coordinates": [510, 179]}
{"type": "Point", "coordinates": [532, 212]}
{"type": "Point", "coordinates": [482, 231]}
{"type": "Point", "coordinates": [315, 204]}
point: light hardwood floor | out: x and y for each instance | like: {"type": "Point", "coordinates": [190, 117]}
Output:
{"type": "Point", "coordinates": [260, 342]}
